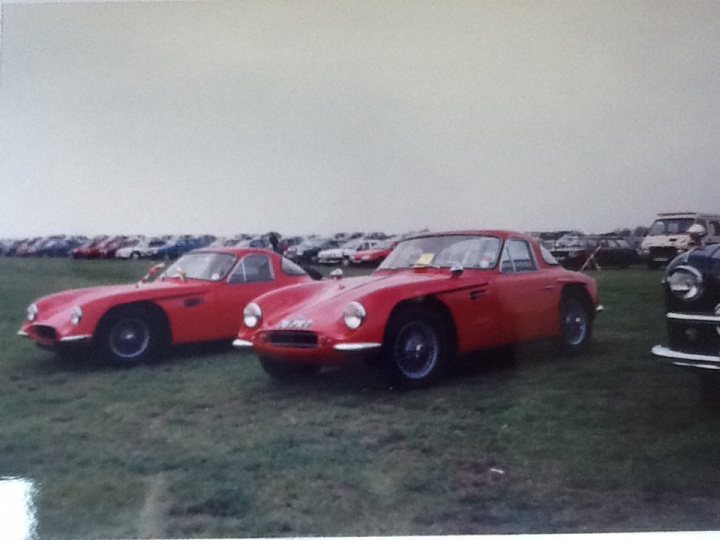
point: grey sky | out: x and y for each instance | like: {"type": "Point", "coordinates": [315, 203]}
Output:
{"type": "Point", "coordinates": [241, 116]}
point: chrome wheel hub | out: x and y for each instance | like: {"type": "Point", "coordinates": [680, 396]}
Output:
{"type": "Point", "coordinates": [417, 349]}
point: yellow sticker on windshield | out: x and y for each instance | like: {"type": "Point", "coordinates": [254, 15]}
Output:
{"type": "Point", "coordinates": [425, 259]}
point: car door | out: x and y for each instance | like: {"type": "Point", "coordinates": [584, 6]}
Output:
{"type": "Point", "coordinates": [252, 276]}
{"type": "Point", "coordinates": [527, 296]}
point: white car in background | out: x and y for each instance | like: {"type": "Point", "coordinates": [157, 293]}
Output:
{"type": "Point", "coordinates": [342, 254]}
{"type": "Point", "coordinates": [143, 249]}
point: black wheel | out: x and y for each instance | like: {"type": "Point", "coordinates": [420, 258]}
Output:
{"type": "Point", "coordinates": [135, 255]}
{"type": "Point", "coordinates": [575, 323]}
{"type": "Point", "coordinates": [417, 348]}
{"type": "Point", "coordinates": [286, 371]}
{"type": "Point", "coordinates": [129, 336]}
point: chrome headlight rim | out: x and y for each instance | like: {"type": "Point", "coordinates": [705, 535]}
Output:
{"type": "Point", "coordinates": [354, 315]}
{"type": "Point", "coordinates": [687, 291]}
{"type": "Point", "coordinates": [252, 315]}
{"type": "Point", "coordinates": [32, 312]}
{"type": "Point", "coordinates": [76, 315]}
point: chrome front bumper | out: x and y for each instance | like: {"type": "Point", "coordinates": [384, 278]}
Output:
{"type": "Point", "coordinates": [683, 359]}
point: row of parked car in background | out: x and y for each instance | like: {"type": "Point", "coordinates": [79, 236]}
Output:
{"type": "Point", "coordinates": [667, 237]}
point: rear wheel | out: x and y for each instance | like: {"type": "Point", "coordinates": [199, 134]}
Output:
{"type": "Point", "coordinates": [135, 255]}
{"type": "Point", "coordinates": [417, 348]}
{"type": "Point", "coordinates": [575, 323]}
{"type": "Point", "coordinates": [286, 371]}
{"type": "Point", "coordinates": [129, 336]}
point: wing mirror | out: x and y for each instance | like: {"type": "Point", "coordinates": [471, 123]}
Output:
{"type": "Point", "coordinates": [456, 269]}
{"type": "Point", "coordinates": [152, 272]}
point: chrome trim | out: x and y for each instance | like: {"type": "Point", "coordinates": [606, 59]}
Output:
{"type": "Point", "coordinates": [346, 347]}
{"type": "Point", "coordinates": [694, 318]}
{"type": "Point", "coordinates": [241, 343]}
{"type": "Point", "coordinates": [22, 333]}
{"type": "Point", "coordinates": [701, 366]}
{"type": "Point", "coordinates": [665, 352]}
{"type": "Point", "coordinates": [72, 339]}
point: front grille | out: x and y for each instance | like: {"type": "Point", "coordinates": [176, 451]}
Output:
{"type": "Point", "coordinates": [298, 339]}
{"type": "Point", "coordinates": [694, 338]}
{"type": "Point", "coordinates": [45, 332]}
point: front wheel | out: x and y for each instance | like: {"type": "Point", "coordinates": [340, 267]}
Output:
{"type": "Point", "coordinates": [575, 324]}
{"type": "Point", "coordinates": [417, 348]}
{"type": "Point", "coordinates": [286, 371]}
{"type": "Point", "coordinates": [128, 337]}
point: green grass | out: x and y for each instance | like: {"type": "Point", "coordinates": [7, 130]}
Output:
{"type": "Point", "coordinates": [205, 444]}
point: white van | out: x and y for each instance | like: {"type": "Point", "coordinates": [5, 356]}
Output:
{"type": "Point", "coordinates": [668, 235]}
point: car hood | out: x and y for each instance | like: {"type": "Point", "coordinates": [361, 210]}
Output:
{"type": "Point", "coordinates": [120, 294]}
{"type": "Point", "coordinates": [325, 300]}
{"type": "Point", "coordinates": [706, 259]}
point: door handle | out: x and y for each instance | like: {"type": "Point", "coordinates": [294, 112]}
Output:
{"type": "Point", "coordinates": [474, 295]}
{"type": "Point", "coordinates": [548, 287]}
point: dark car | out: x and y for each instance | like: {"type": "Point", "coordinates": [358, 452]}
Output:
{"type": "Point", "coordinates": [692, 305]}
{"type": "Point", "coordinates": [308, 251]}
{"type": "Point", "coordinates": [605, 251]}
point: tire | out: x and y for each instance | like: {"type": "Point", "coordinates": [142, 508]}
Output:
{"type": "Point", "coordinates": [129, 336]}
{"type": "Point", "coordinates": [286, 371]}
{"type": "Point", "coordinates": [575, 323]}
{"type": "Point", "coordinates": [417, 348]}
{"type": "Point", "coordinates": [135, 255]}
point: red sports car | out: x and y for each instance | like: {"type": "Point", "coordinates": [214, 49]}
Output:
{"type": "Point", "coordinates": [435, 296]}
{"type": "Point", "coordinates": [199, 298]}
{"type": "Point", "coordinates": [373, 257]}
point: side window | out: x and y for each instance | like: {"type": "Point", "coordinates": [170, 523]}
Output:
{"type": "Point", "coordinates": [548, 257]}
{"type": "Point", "coordinates": [252, 269]}
{"type": "Point", "coordinates": [291, 269]}
{"type": "Point", "coordinates": [517, 257]}
{"type": "Point", "coordinates": [714, 228]}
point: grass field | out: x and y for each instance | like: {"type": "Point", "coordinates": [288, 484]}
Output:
{"type": "Point", "coordinates": [205, 444]}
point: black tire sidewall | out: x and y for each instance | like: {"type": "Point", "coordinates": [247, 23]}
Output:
{"type": "Point", "coordinates": [577, 300]}
{"type": "Point", "coordinates": [396, 324]}
{"type": "Point", "coordinates": [111, 321]}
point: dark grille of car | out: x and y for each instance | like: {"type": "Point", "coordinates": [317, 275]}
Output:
{"type": "Point", "coordinates": [45, 332]}
{"type": "Point", "coordinates": [299, 339]}
{"type": "Point", "coordinates": [668, 253]}
{"type": "Point", "coordinates": [701, 338]}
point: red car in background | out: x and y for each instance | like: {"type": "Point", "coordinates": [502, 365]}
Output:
{"type": "Point", "coordinates": [199, 298]}
{"type": "Point", "coordinates": [435, 296]}
{"type": "Point", "coordinates": [373, 257]}
{"type": "Point", "coordinates": [89, 249]}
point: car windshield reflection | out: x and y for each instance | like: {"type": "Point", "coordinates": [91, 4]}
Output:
{"type": "Point", "coordinates": [205, 266]}
{"type": "Point", "coordinates": [468, 251]}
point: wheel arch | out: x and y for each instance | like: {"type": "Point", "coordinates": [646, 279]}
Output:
{"type": "Point", "coordinates": [433, 304]}
{"type": "Point", "coordinates": [158, 315]}
{"type": "Point", "coordinates": [580, 291]}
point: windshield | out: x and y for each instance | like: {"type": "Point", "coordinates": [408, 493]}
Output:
{"type": "Point", "coordinates": [670, 226]}
{"type": "Point", "coordinates": [207, 266]}
{"type": "Point", "coordinates": [479, 252]}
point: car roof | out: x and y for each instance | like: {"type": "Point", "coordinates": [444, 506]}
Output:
{"type": "Point", "coordinates": [500, 233]}
{"type": "Point", "coordinates": [234, 251]}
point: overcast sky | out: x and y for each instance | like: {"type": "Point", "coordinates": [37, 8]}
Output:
{"type": "Point", "coordinates": [241, 116]}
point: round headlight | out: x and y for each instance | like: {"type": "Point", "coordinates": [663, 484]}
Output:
{"type": "Point", "coordinates": [252, 315]}
{"type": "Point", "coordinates": [685, 283]}
{"type": "Point", "coordinates": [354, 314]}
{"type": "Point", "coordinates": [76, 315]}
{"type": "Point", "coordinates": [32, 312]}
